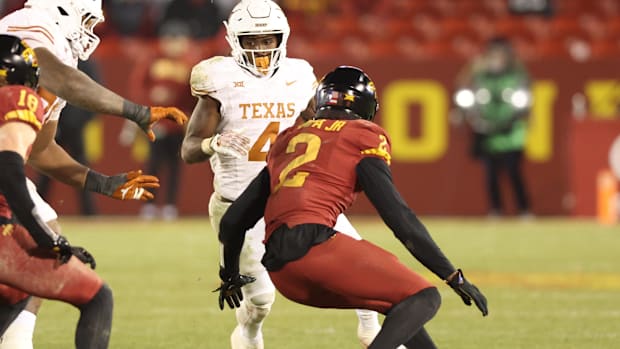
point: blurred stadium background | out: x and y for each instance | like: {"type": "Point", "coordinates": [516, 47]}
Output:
{"type": "Point", "coordinates": [413, 49]}
{"type": "Point", "coordinates": [552, 282]}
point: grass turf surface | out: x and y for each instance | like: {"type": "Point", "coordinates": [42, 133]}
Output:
{"type": "Point", "coordinates": [551, 283]}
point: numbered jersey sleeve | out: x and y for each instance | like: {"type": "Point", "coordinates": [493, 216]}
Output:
{"type": "Point", "coordinates": [368, 139]}
{"type": "Point", "coordinates": [21, 104]}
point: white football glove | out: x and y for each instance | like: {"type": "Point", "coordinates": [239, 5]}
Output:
{"type": "Point", "coordinates": [231, 143]}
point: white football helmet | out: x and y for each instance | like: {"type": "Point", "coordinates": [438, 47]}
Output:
{"type": "Point", "coordinates": [257, 17]}
{"type": "Point", "coordinates": [77, 20]}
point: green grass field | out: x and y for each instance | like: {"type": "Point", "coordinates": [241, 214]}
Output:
{"type": "Point", "coordinates": [551, 283]}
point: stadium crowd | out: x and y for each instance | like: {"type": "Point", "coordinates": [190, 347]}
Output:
{"type": "Point", "coordinates": [418, 29]}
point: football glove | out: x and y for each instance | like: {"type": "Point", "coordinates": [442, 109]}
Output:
{"type": "Point", "coordinates": [64, 250]}
{"type": "Point", "coordinates": [468, 291]}
{"type": "Point", "coordinates": [132, 185]}
{"type": "Point", "coordinates": [230, 290]}
{"type": "Point", "coordinates": [231, 143]}
{"type": "Point", "coordinates": [160, 113]}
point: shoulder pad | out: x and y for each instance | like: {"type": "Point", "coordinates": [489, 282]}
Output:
{"type": "Point", "coordinates": [202, 79]}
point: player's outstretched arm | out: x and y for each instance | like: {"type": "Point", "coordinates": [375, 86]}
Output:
{"type": "Point", "coordinates": [375, 178]}
{"type": "Point", "coordinates": [240, 217]}
{"type": "Point", "coordinates": [51, 159]}
{"type": "Point", "coordinates": [80, 90]}
{"type": "Point", "coordinates": [56, 163]}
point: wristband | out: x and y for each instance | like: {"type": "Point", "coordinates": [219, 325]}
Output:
{"type": "Point", "coordinates": [95, 181]}
{"type": "Point", "coordinates": [205, 146]}
{"type": "Point", "coordinates": [140, 114]}
{"type": "Point", "coordinates": [102, 184]}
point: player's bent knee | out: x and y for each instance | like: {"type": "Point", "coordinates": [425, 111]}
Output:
{"type": "Point", "coordinates": [259, 306]}
{"type": "Point", "coordinates": [431, 299]}
{"type": "Point", "coordinates": [263, 300]}
{"type": "Point", "coordinates": [103, 299]}
{"type": "Point", "coordinates": [105, 292]}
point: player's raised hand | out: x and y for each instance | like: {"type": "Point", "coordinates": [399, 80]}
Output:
{"type": "Point", "coordinates": [231, 143]}
{"type": "Point", "coordinates": [160, 113]}
{"type": "Point", "coordinates": [230, 290]}
{"type": "Point", "coordinates": [468, 291]}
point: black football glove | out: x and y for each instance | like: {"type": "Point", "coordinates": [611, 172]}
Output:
{"type": "Point", "coordinates": [468, 292]}
{"type": "Point", "coordinates": [230, 290]}
{"type": "Point", "coordinates": [64, 250]}
{"type": "Point", "coordinates": [84, 256]}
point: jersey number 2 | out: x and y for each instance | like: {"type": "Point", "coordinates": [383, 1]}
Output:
{"type": "Point", "coordinates": [313, 143]}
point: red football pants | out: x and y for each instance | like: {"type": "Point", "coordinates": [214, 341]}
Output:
{"type": "Point", "coordinates": [27, 270]}
{"type": "Point", "coordinates": [346, 273]}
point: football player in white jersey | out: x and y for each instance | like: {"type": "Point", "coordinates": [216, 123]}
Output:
{"type": "Point", "coordinates": [61, 32]}
{"type": "Point", "coordinates": [244, 101]}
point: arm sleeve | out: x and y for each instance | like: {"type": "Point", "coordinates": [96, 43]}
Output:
{"type": "Point", "coordinates": [375, 178]}
{"type": "Point", "coordinates": [13, 186]}
{"type": "Point", "coordinates": [241, 216]}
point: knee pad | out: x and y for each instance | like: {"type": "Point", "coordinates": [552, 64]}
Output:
{"type": "Point", "coordinates": [255, 309]}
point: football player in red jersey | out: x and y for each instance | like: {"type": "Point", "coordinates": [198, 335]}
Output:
{"type": "Point", "coordinates": [313, 174]}
{"type": "Point", "coordinates": [34, 259]}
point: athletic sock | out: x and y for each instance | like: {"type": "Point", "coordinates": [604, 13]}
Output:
{"type": "Point", "coordinates": [19, 334]}
{"type": "Point", "coordinates": [368, 319]}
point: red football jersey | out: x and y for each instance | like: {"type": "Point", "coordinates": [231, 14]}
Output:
{"type": "Point", "coordinates": [312, 170]}
{"type": "Point", "coordinates": [19, 104]}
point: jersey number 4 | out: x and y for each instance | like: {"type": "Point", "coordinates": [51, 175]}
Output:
{"type": "Point", "coordinates": [270, 133]}
{"type": "Point", "coordinates": [313, 143]}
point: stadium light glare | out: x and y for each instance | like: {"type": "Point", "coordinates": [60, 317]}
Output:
{"type": "Point", "coordinates": [521, 99]}
{"type": "Point", "coordinates": [464, 98]}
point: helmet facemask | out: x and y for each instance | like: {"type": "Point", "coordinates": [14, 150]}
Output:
{"type": "Point", "coordinates": [87, 41]}
{"type": "Point", "coordinates": [255, 18]}
{"type": "Point", "coordinates": [261, 61]}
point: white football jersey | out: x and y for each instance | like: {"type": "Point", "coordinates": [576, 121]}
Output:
{"type": "Point", "coordinates": [35, 27]}
{"type": "Point", "coordinates": [260, 108]}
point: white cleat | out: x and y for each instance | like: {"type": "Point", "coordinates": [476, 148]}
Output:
{"type": "Point", "coordinates": [239, 341]}
{"type": "Point", "coordinates": [366, 336]}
